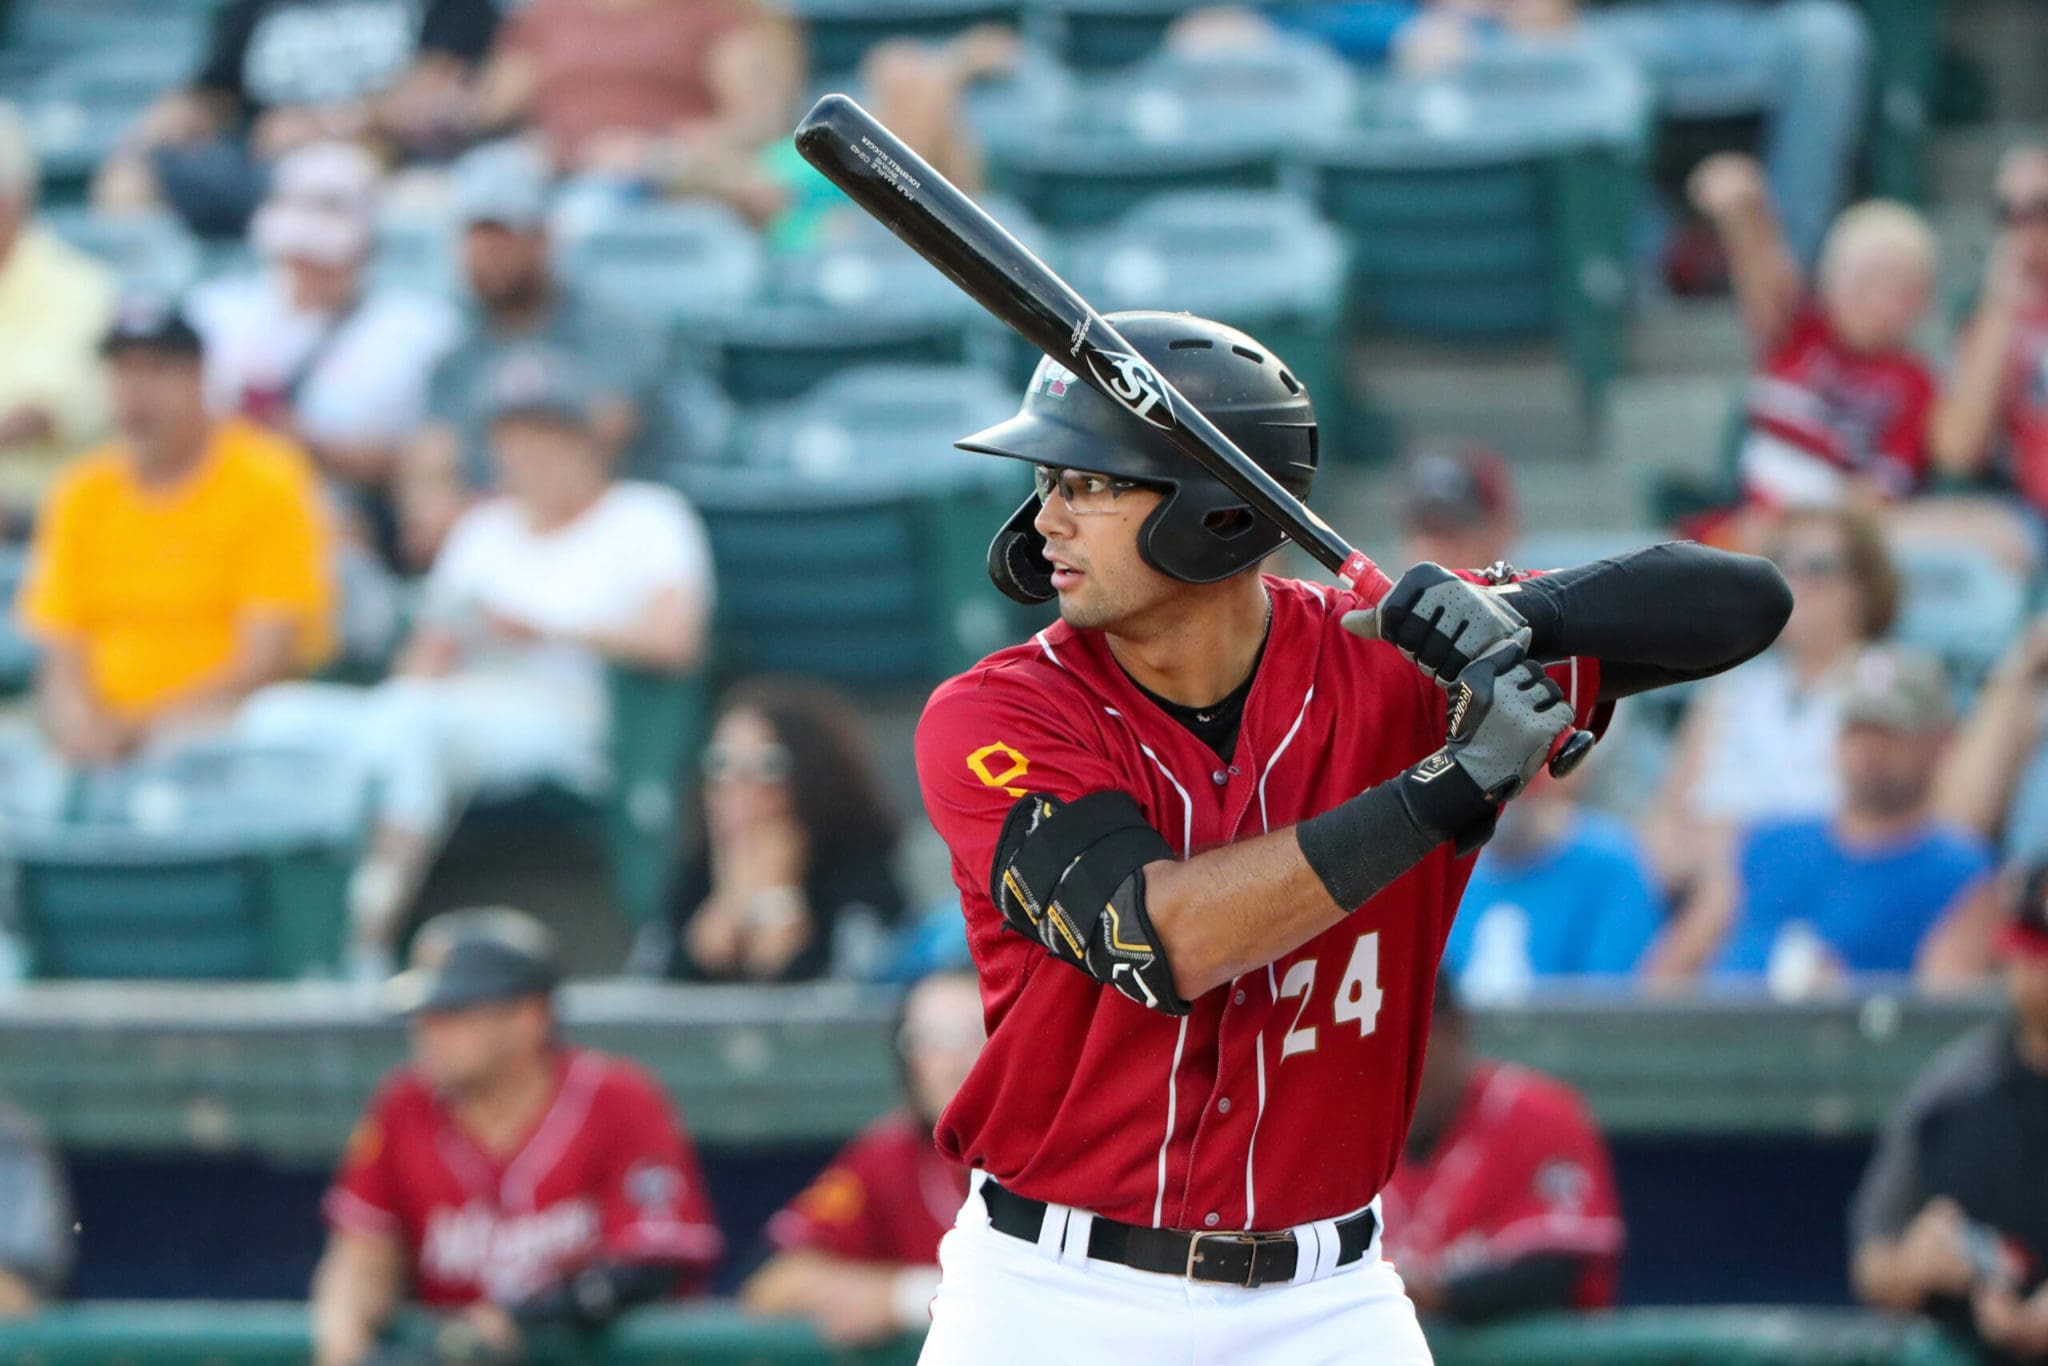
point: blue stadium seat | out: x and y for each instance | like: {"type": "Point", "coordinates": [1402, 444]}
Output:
{"type": "Point", "coordinates": [151, 252]}
{"type": "Point", "coordinates": [862, 581]}
{"type": "Point", "coordinates": [672, 263]}
{"type": "Point", "coordinates": [216, 862]}
{"type": "Point", "coordinates": [838, 33]}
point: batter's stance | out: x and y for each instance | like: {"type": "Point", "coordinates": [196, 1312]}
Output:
{"type": "Point", "coordinates": [1209, 843]}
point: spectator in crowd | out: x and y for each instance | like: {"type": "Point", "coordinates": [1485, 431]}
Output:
{"type": "Point", "coordinates": [1995, 779]}
{"type": "Point", "coordinates": [501, 194]}
{"type": "Point", "coordinates": [54, 307]}
{"type": "Point", "coordinates": [1457, 507]}
{"type": "Point", "coordinates": [857, 1253]}
{"type": "Point", "coordinates": [1949, 1220]}
{"type": "Point", "coordinates": [1839, 403]}
{"type": "Point", "coordinates": [1504, 1200]}
{"type": "Point", "coordinates": [36, 1242]}
{"type": "Point", "coordinates": [647, 96]}
{"type": "Point", "coordinates": [505, 1179]}
{"type": "Point", "coordinates": [1883, 886]}
{"type": "Point", "coordinates": [1804, 64]}
{"type": "Point", "coordinates": [793, 864]}
{"type": "Point", "coordinates": [176, 570]}
{"type": "Point", "coordinates": [1759, 742]}
{"type": "Point", "coordinates": [502, 685]}
{"type": "Point", "coordinates": [283, 73]}
{"type": "Point", "coordinates": [1993, 411]}
{"type": "Point", "coordinates": [308, 346]}
{"type": "Point", "coordinates": [1560, 890]}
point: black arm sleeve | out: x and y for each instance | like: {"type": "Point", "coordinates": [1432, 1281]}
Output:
{"type": "Point", "coordinates": [595, 1295]}
{"type": "Point", "coordinates": [1659, 615]}
{"type": "Point", "coordinates": [1526, 1285]}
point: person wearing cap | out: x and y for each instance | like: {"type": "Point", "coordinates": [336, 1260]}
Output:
{"type": "Point", "coordinates": [857, 1251]}
{"type": "Point", "coordinates": [178, 568]}
{"type": "Point", "coordinates": [502, 684]}
{"type": "Point", "coordinates": [504, 1178]}
{"type": "Point", "coordinates": [1949, 1220]}
{"type": "Point", "coordinates": [308, 345]}
{"type": "Point", "coordinates": [1883, 886]}
{"type": "Point", "coordinates": [1457, 506]}
{"type": "Point", "coordinates": [517, 303]}
{"type": "Point", "coordinates": [54, 305]}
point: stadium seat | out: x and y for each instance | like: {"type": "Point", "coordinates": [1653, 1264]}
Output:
{"type": "Point", "coordinates": [770, 354]}
{"type": "Point", "coordinates": [1176, 122]}
{"type": "Point", "coordinates": [1261, 261]}
{"type": "Point", "coordinates": [85, 103]}
{"type": "Point", "coordinates": [658, 724]}
{"type": "Point", "coordinates": [1092, 35]}
{"type": "Point", "coordinates": [673, 263]}
{"type": "Point", "coordinates": [17, 651]}
{"type": "Point", "coordinates": [218, 862]}
{"type": "Point", "coordinates": [1959, 602]}
{"type": "Point", "coordinates": [838, 33]}
{"type": "Point", "coordinates": [1493, 202]}
{"type": "Point", "coordinates": [888, 420]}
{"type": "Point", "coordinates": [416, 254]}
{"type": "Point", "coordinates": [149, 252]}
{"type": "Point", "coordinates": [863, 581]}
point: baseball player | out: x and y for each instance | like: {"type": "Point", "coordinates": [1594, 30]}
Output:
{"type": "Point", "coordinates": [1209, 839]}
{"type": "Point", "coordinates": [517, 1183]}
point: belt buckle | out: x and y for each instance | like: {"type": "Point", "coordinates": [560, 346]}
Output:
{"type": "Point", "coordinates": [1254, 1240]}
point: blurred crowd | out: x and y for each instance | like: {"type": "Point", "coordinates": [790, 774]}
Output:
{"type": "Point", "coordinates": [414, 524]}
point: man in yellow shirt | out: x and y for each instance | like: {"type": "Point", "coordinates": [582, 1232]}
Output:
{"type": "Point", "coordinates": [54, 304]}
{"type": "Point", "coordinates": [178, 568]}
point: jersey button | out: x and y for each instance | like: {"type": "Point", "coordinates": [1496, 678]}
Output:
{"type": "Point", "coordinates": [1211, 1219]}
{"type": "Point", "coordinates": [1219, 777]}
{"type": "Point", "coordinates": [1235, 770]}
{"type": "Point", "coordinates": [1237, 998]}
{"type": "Point", "coordinates": [1223, 1106]}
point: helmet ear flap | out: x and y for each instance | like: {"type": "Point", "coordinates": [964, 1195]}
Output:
{"type": "Point", "coordinates": [1016, 558]}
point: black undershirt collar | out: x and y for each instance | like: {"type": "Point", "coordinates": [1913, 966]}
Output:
{"type": "Point", "coordinates": [1216, 725]}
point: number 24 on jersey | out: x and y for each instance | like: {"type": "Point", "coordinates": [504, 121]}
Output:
{"type": "Point", "coordinates": [1357, 1000]}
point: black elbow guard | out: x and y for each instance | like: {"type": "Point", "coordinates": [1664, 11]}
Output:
{"type": "Point", "coordinates": [1070, 875]}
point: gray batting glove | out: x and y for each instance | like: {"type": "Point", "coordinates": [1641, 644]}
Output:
{"type": "Point", "coordinates": [1505, 714]}
{"type": "Point", "coordinates": [1438, 621]}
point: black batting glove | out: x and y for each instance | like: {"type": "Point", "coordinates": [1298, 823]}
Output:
{"type": "Point", "coordinates": [1505, 715]}
{"type": "Point", "coordinates": [1438, 621]}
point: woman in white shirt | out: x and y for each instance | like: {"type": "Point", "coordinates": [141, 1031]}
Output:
{"type": "Point", "coordinates": [502, 685]}
{"type": "Point", "coordinates": [1760, 741]}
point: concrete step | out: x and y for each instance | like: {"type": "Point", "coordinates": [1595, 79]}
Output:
{"type": "Point", "coordinates": [1666, 425]}
{"type": "Point", "coordinates": [2008, 41]}
{"type": "Point", "coordinates": [1687, 337]}
{"type": "Point", "coordinates": [1522, 400]}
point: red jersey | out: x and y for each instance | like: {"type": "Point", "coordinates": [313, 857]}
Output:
{"type": "Point", "coordinates": [1283, 1097]}
{"type": "Point", "coordinates": [889, 1196]}
{"type": "Point", "coordinates": [606, 1172]}
{"type": "Point", "coordinates": [2025, 415]}
{"type": "Point", "coordinates": [1820, 413]}
{"type": "Point", "coordinates": [1521, 1170]}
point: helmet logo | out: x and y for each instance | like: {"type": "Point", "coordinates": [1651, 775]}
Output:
{"type": "Point", "coordinates": [1052, 379]}
{"type": "Point", "coordinates": [1133, 383]}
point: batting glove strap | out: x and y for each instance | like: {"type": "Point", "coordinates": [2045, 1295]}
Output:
{"type": "Point", "coordinates": [1440, 622]}
{"type": "Point", "coordinates": [1505, 714]}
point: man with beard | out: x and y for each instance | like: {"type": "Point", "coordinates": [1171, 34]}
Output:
{"type": "Point", "coordinates": [517, 303]}
{"type": "Point", "coordinates": [1880, 887]}
{"type": "Point", "coordinates": [857, 1253]}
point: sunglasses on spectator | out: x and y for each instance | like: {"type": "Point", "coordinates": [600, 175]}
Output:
{"type": "Point", "coordinates": [1816, 566]}
{"type": "Point", "coordinates": [769, 764]}
{"type": "Point", "coordinates": [2017, 213]}
{"type": "Point", "coordinates": [1082, 493]}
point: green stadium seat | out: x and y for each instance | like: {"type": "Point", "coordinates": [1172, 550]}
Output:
{"type": "Point", "coordinates": [1094, 35]}
{"type": "Point", "coordinates": [416, 254]}
{"type": "Point", "coordinates": [83, 106]}
{"type": "Point", "coordinates": [151, 251]}
{"type": "Point", "coordinates": [217, 862]}
{"type": "Point", "coordinates": [658, 724]}
{"type": "Point", "coordinates": [1261, 261]}
{"type": "Point", "coordinates": [17, 651]}
{"type": "Point", "coordinates": [866, 582]}
{"type": "Point", "coordinates": [889, 420]}
{"type": "Point", "coordinates": [770, 354]}
{"type": "Point", "coordinates": [838, 33]}
{"type": "Point", "coordinates": [672, 263]}
{"type": "Point", "coordinates": [1493, 202]}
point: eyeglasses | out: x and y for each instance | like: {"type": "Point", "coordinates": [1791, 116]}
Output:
{"type": "Point", "coordinates": [769, 764]}
{"type": "Point", "coordinates": [1082, 493]}
{"type": "Point", "coordinates": [2015, 213]}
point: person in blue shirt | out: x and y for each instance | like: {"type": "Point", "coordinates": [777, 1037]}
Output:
{"type": "Point", "coordinates": [1560, 890]}
{"type": "Point", "coordinates": [1883, 886]}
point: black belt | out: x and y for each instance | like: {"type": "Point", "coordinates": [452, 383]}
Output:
{"type": "Point", "coordinates": [1246, 1259]}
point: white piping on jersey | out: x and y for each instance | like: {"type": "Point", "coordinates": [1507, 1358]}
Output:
{"type": "Point", "coordinates": [1251, 1146]}
{"type": "Point", "coordinates": [1285, 741]}
{"type": "Point", "coordinates": [1046, 646]}
{"type": "Point", "coordinates": [1187, 840]}
{"type": "Point", "coordinates": [564, 1118]}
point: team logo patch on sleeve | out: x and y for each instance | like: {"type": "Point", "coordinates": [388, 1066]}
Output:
{"type": "Point", "coordinates": [653, 1186]}
{"type": "Point", "coordinates": [999, 765]}
{"type": "Point", "coordinates": [1563, 1185]}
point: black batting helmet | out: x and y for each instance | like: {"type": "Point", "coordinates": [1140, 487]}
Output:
{"type": "Point", "coordinates": [1200, 532]}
